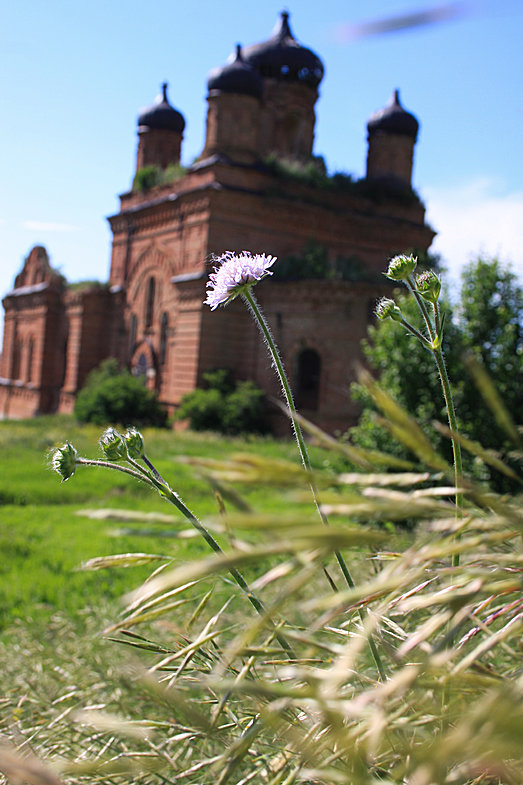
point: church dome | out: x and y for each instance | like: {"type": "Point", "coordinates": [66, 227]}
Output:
{"type": "Point", "coordinates": [394, 119]}
{"type": "Point", "coordinates": [236, 76]}
{"type": "Point", "coordinates": [282, 57]}
{"type": "Point", "coordinates": [161, 115]}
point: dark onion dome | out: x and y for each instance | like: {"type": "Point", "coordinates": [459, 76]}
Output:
{"type": "Point", "coordinates": [282, 57]}
{"type": "Point", "coordinates": [236, 76]}
{"type": "Point", "coordinates": [161, 115]}
{"type": "Point", "coordinates": [394, 119]}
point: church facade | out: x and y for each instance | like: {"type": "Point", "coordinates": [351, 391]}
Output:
{"type": "Point", "coordinates": [255, 186]}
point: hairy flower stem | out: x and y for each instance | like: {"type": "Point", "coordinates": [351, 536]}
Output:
{"type": "Point", "coordinates": [422, 306]}
{"type": "Point", "coordinates": [453, 425]}
{"type": "Point", "coordinates": [417, 334]}
{"type": "Point", "coordinates": [153, 478]}
{"type": "Point", "coordinates": [110, 465]}
{"type": "Point", "coordinates": [434, 329]}
{"type": "Point", "coordinates": [251, 302]}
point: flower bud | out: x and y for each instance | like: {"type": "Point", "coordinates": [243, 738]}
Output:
{"type": "Point", "coordinates": [63, 461]}
{"type": "Point", "coordinates": [429, 286]}
{"type": "Point", "coordinates": [112, 444]}
{"type": "Point", "coordinates": [387, 309]}
{"type": "Point", "coordinates": [401, 267]}
{"type": "Point", "coordinates": [134, 443]}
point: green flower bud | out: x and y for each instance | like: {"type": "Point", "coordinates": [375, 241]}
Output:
{"type": "Point", "coordinates": [64, 460]}
{"type": "Point", "coordinates": [401, 267]}
{"type": "Point", "coordinates": [134, 443]}
{"type": "Point", "coordinates": [112, 444]}
{"type": "Point", "coordinates": [387, 309]}
{"type": "Point", "coordinates": [429, 286]}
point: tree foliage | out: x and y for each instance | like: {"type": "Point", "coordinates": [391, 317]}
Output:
{"type": "Point", "coordinates": [114, 396]}
{"type": "Point", "coordinates": [487, 321]}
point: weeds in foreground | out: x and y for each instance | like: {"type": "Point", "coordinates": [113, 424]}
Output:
{"type": "Point", "coordinates": [288, 691]}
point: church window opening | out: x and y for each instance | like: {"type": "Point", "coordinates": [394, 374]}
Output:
{"type": "Point", "coordinates": [140, 369]}
{"type": "Point", "coordinates": [16, 360]}
{"type": "Point", "coordinates": [308, 373]}
{"type": "Point", "coordinates": [149, 302]}
{"type": "Point", "coordinates": [29, 360]}
{"type": "Point", "coordinates": [133, 329]}
{"type": "Point", "coordinates": [163, 338]}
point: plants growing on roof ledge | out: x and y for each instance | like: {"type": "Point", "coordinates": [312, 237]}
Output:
{"type": "Point", "coordinates": [152, 176]}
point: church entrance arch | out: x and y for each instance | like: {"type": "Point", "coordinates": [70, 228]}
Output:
{"type": "Point", "coordinates": [307, 379]}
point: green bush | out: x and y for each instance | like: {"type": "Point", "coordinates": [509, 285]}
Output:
{"type": "Point", "coordinates": [224, 405]}
{"type": "Point", "coordinates": [114, 396]}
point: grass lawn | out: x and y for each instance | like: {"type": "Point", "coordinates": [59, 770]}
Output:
{"type": "Point", "coordinates": [43, 539]}
{"type": "Point", "coordinates": [191, 672]}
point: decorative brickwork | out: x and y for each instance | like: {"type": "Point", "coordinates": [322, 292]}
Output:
{"type": "Point", "coordinates": [150, 315]}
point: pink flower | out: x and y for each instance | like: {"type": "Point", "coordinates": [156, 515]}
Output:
{"type": "Point", "coordinates": [234, 273]}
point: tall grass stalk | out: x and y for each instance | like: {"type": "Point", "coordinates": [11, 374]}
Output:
{"type": "Point", "coordinates": [115, 444]}
{"type": "Point", "coordinates": [260, 320]}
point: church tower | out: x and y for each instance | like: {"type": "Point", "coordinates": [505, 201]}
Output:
{"type": "Point", "coordinates": [392, 134]}
{"type": "Point", "coordinates": [291, 75]}
{"type": "Point", "coordinates": [160, 134]}
{"type": "Point", "coordinates": [233, 116]}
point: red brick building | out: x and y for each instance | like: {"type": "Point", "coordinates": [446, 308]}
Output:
{"type": "Point", "coordinates": [255, 186]}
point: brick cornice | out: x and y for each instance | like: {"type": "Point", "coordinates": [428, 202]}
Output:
{"type": "Point", "coordinates": [163, 210]}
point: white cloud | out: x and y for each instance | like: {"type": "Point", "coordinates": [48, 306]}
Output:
{"type": "Point", "coordinates": [49, 226]}
{"type": "Point", "coordinates": [473, 218]}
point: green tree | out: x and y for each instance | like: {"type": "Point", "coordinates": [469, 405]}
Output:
{"type": "Point", "coordinates": [490, 317]}
{"type": "Point", "coordinates": [486, 321]}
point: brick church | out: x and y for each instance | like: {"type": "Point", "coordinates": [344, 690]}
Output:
{"type": "Point", "coordinates": [256, 186]}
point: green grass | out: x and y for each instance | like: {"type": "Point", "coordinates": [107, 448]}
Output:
{"type": "Point", "coordinates": [43, 539]}
{"type": "Point", "coordinates": [202, 692]}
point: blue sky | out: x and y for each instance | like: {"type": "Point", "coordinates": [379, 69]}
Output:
{"type": "Point", "coordinates": [75, 75]}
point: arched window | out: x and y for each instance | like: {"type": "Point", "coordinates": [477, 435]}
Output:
{"type": "Point", "coordinates": [140, 369]}
{"type": "Point", "coordinates": [133, 329]}
{"type": "Point", "coordinates": [29, 360]}
{"type": "Point", "coordinates": [64, 358]}
{"type": "Point", "coordinates": [308, 373]}
{"type": "Point", "coordinates": [163, 337]}
{"type": "Point", "coordinates": [149, 302]}
{"type": "Point", "coordinates": [16, 361]}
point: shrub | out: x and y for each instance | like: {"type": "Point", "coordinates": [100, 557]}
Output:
{"type": "Point", "coordinates": [111, 396]}
{"type": "Point", "coordinates": [224, 406]}
{"type": "Point", "coordinates": [244, 410]}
